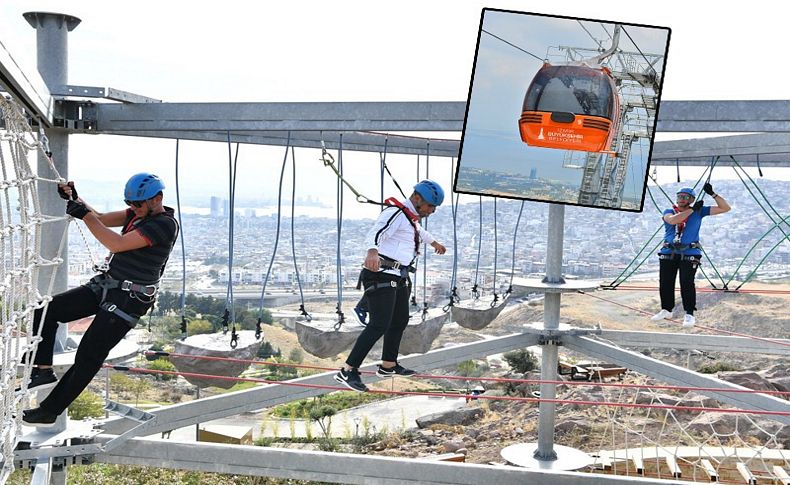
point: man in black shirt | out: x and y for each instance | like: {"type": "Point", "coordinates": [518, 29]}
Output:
{"type": "Point", "coordinates": [124, 290]}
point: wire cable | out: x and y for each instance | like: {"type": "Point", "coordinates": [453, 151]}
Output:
{"type": "Point", "coordinates": [512, 44]}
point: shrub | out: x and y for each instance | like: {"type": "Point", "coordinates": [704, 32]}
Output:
{"type": "Point", "coordinates": [163, 365]}
{"type": "Point", "coordinates": [87, 405]}
{"type": "Point", "coordinates": [521, 361]}
{"type": "Point", "coordinates": [717, 367]}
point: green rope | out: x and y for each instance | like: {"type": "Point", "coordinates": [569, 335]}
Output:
{"type": "Point", "coordinates": [618, 281]}
{"type": "Point", "coordinates": [712, 284]}
{"type": "Point", "coordinates": [754, 271]}
{"type": "Point", "coordinates": [761, 193]}
{"type": "Point", "coordinates": [748, 253]}
{"type": "Point", "coordinates": [777, 224]}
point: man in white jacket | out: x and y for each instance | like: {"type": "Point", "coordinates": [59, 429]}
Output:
{"type": "Point", "coordinates": [393, 247]}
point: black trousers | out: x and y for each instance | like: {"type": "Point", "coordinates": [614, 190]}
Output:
{"type": "Point", "coordinates": [668, 270]}
{"type": "Point", "coordinates": [388, 309]}
{"type": "Point", "coordinates": [103, 334]}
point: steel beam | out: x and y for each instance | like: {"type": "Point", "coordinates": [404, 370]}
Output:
{"type": "Point", "coordinates": [99, 92]}
{"type": "Point", "coordinates": [709, 343]}
{"type": "Point", "coordinates": [361, 116]}
{"type": "Point", "coordinates": [26, 87]}
{"type": "Point", "coordinates": [353, 141]}
{"type": "Point", "coordinates": [679, 376]}
{"type": "Point", "coordinates": [231, 404]}
{"type": "Point", "coordinates": [765, 161]}
{"type": "Point", "coordinates": [720, 116]}
{"type": "Point", "coordinates": [341, 467]}
{"type": "Point", "coordinates": [770, 149]}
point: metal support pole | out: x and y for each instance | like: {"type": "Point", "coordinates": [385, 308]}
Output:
{"type": "Point", "coordinates": [52, 60]}
{"type": "Point", "coordinates": [197, 425]}
{"type": "Point", "coordinates": [551, 321]}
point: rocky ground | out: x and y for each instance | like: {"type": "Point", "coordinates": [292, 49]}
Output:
{"type": "Point", "coordinates": [484, 427]}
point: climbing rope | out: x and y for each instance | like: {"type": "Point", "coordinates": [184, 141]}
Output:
{"type": "Point", "coordinates": [475, 291]}
{"type": "Point", "coordinates": [302, 310]}
{"type": "Point", "coordinates": [425, 246]}
{"type": "Point", "coordinates": [276, 236]}
{"type": "Point", "coordinates": [414, 283]}
{"type": "Point", "coordinates": [513, 257]}
{"type": "Point", "coordinates": [183, 304]}
{"type": "Point", "coordinates": [338, 308]}
{"type": "Point", "coordinates": [453, 279]}
{"type": "Point", "coordinates": [229, 316]}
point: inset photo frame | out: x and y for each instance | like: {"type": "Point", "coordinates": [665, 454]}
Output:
{"type": "Point", "coordinates": [562, 110]}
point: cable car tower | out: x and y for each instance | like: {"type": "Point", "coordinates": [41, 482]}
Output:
{"type": "Point", "coordinates": [638, 77]}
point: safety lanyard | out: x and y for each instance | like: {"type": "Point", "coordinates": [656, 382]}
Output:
{"type": "Point", "coordinates": [412, 218]}
{"type": "Point", "coordinates": [680, 225]}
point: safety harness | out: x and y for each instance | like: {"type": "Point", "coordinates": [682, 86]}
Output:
{"type": "Point", "coordinates": [385, 262]}
{"type": "Point", "coordinates": [101, 284]}
{"type": "Point", "coordinates": [675, 247]}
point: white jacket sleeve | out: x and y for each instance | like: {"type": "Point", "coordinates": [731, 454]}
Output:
{"type": "Point", "coordinates": [425, 236]}
{"type": "Point", "coordinates": [386, 224]}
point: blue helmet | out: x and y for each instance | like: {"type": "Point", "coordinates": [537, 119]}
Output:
{"type": "Point", "coordinates": [689, 191]}
{"type": "Point", "coordinates": [430, 191]}
{"type": "Point", "coordinates": [143, 186]}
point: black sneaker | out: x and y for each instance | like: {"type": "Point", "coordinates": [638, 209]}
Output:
{"type": "Point", "coordinates": [398, 370]}
{"type": "Point", "coordinates": [40, 379]}
{"type": "Point", "coordinates": [362, 316]}
{"type": "Point", "coordinates": [351, 379]}
{"type": "Point", "coordinates": [38, 417]}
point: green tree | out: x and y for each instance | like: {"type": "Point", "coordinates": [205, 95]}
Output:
{"type": "Point", "coordinates": [521, 360]}
{"type": "Point", "coordinates": [467, 368]}
{"type": "Point", "coordinates": [323, 416]}
{"type": "Point", "coordinates": [196, 327]}
{"type": "Point", "coordinates": [87, 405]}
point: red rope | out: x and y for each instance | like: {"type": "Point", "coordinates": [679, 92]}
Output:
{"type": "Point", "coordinates": [444, 394]}
{"type": "Point", "coordinates": [712, 329]}
{"type": "Point", "coordinates": [484, 379]}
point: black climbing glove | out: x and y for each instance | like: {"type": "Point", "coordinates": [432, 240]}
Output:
{"type": "Point", "coordinates": [76, 209]}
{"type": "Point", "coordinates": [63, 195]}
{"type": "Point", "coordinates": [708, 188]}
{"type": "Point", "coordinates": [697, 205]}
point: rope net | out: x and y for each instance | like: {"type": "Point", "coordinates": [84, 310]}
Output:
{"type": "Point", "coordinates": [664, 437]}
{"type": "Point", "coordinates": [21, 221]}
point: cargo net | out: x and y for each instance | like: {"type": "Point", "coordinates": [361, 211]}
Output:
{"type": "Point", "coordinates": [667, 435]}
{"type": "Point", "coordinates": [21, 223]}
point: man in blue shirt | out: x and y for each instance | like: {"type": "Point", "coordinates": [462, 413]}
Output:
{"type": "Point", "coordinates": [681, 250]}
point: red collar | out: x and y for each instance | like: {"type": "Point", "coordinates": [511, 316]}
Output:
{"type": "Point", "coordinates": [392, 201]}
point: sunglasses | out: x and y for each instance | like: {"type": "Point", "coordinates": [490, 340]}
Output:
{"type": "Point", "coordinates": [684, 197]}
{"type": "Point", "coordinates": [134, 203]}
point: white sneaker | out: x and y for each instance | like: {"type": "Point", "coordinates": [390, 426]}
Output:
{"type": "Point", "coordinates": [689, 320]}
{"type": "Point", "coordinates": [662, 315]}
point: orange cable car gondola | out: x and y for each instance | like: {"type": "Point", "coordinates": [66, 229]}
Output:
{"type": "Point", "coordinates": [571, 107]}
